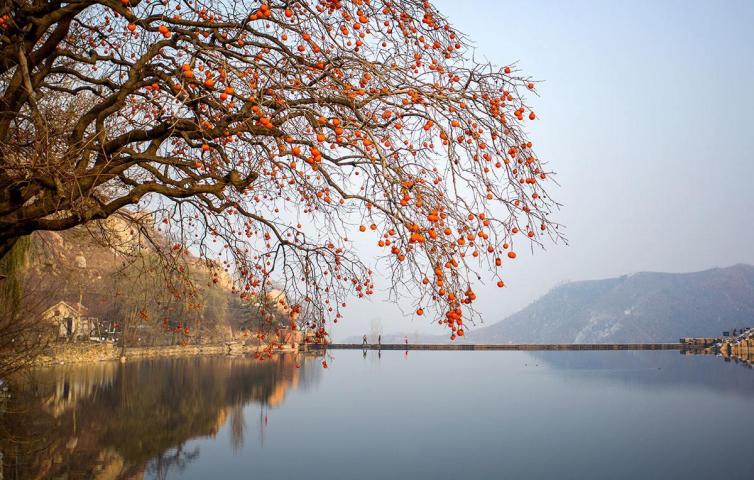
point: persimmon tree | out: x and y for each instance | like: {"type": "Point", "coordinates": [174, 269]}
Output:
{"type": "Point", "coordinates": [266, 136]}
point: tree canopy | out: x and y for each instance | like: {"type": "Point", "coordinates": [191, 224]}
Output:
{"type": "Point", "coordinates": [265, 136]}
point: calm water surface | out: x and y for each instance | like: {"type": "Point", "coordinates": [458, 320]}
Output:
{"type": "Point", "coordinates": [419, 415]}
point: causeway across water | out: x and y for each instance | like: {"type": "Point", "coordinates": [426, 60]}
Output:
{"type": "Point", "coordinates": [502, 346]}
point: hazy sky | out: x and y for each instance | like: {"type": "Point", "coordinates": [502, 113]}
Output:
{"type": "Point", "coordinates": [646, 113]}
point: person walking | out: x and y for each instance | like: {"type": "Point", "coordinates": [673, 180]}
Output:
{"type": "Point", "coordinates": [364, 341]}
{"type": "Point", "coordinates": [379, 340]}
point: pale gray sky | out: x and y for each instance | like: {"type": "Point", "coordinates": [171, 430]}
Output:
{"type": "Point", "coordinates": [646, 115]}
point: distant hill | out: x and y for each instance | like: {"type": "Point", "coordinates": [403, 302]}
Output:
{"type": "Point", "coordinates": [642, 307]}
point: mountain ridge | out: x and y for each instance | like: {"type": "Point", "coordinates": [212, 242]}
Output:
{"type": "Point", "coordinates": [637, 307]}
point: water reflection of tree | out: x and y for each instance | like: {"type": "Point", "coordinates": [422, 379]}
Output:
{"type": "Point", "coordinates": [173, 459]}
{"type": "Point", "coordinates": [237, 428]}
{"type": "Point", "coordinates": [137, 416]}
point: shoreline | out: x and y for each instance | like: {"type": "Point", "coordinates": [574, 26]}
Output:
{"type": "Point", "coordinates": [86, 353]}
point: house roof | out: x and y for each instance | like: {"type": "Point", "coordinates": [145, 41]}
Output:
{"type": "Point", "coordinates": [72, 307]}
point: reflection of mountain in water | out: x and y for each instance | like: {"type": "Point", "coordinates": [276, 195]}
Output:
{"type": "Point", "coordinates": [109, 420]}
{"type": "Point", "coordinates": [659, 370]}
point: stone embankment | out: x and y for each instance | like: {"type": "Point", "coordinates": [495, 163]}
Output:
{"type": "Point", "coordinates": [740, 347]}
{"type": "Point", "coordinates": [98, 352]}
{"type": "Point", "coordinates": [743, 348]}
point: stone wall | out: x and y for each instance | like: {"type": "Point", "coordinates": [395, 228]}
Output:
{"type": "Point", "coordinates": [744, 348]}
{"type": "Point", "coordinates": [98, 352]}
{"type": "Point", "coordinates": [77, 353]}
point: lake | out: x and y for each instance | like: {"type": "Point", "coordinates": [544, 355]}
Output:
{"type": "Point", "coordinates": [415, 415]}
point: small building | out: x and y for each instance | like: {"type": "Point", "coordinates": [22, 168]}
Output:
{"type": "Point", "coordinates": [70, 321]}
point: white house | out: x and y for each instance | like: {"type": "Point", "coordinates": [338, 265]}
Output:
{"type": "Point", "coordinates": [70, 321]}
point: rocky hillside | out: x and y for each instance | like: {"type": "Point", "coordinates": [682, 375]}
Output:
{"type": "Point", "coordinates": [641, 307]}
{"type": "Point", "coordinates": [82, 266]}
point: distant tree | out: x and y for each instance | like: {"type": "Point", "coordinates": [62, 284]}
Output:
{"type": "Point", "coordinates": [259, 314]}
{"type": "Point", "coordinates": [261, 134]}
{"type": "Point", "coordinates": [154, 304]}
